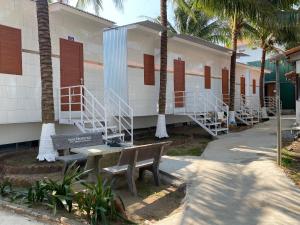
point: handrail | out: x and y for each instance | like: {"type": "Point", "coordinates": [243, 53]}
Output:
{"type": "Point", "coordinates": [195, 103]}
{"type": "Point", "coordinates": [120, 112]}
{"type": "Point", "coordinates": [90, 108]}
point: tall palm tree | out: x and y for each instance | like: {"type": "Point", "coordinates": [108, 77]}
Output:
{"type": "Point", "coordinates": [266, 33]}
{"type": "Point", "coordinates": [201, 25]}
{"type": "Point", "coordinates": [234, 12]}
{"type": "Point", "coordinates": [237, 13]}
{"type": "Point", "coordinates": [46, 150]}
{"type": "Point", "coordinates": [161, 130]}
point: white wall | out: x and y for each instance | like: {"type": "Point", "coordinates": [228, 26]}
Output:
{"type": "Point", "coordinates": [249, 73]}
{"type": "Point", "coordinates": [20, 96]}
{"type": "Point", "coordinates": [144, 98]}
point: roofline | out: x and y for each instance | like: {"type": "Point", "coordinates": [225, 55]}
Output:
{"type": "Point", "coordinates": [205, 43]}
{"type": "Point", "coordinates": [152, 26]}
{"type": "Point", "coordinates": [292, 51]}
{"type": "Point", "coordinates": [80, 12]}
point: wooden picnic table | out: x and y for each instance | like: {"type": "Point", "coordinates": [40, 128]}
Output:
{"type": "Point", "coordinates": [94, 154]}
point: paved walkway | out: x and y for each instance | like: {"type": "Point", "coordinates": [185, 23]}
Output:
{"type": "Point", "coordinates": [236, 182]}
{"type": "Point", "coordinates": [10, 218]}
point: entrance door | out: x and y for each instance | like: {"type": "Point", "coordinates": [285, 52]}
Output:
{"type": "Point", "coordinates": [225, 85]}
{"type": "Point", "coordinates": [179, 82]}
{"type": "Point", "coordinates": [71, 73]}
{"type": "Point", "coordinates": [243, 84]}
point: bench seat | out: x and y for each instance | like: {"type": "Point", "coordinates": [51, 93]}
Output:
{"type": "Point", "coordinates": [72, 158]}
{"type": "Point", "coordinates": [121, 169]}
{"type": "Point", "coordinates": [143, 157]}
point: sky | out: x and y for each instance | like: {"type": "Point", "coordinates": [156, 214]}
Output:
{"type": "Point", "coordinates": [134, 10]}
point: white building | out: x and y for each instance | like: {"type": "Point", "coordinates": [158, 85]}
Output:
{"type": "Point", "coordinates": [130, 78]}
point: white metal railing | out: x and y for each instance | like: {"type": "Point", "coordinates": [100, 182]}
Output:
{"type": "Point", "coordinates": [251, 105]}
{"type": "Point", "coordinates": [80, 107]}
{"type": "Point", "coordinates": [247, 108]}
{"type": "Point", "coordinates": [270, 104]}
{"type": "Point", "coordinates": [120, 113]}
{"type": "Point", "coordinates": [203, 107]}
{"type": "Point", "coordinates": [79, 99]}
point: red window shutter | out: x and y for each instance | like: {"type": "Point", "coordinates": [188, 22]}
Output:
{"type": "Point", "coordinates": [179, 82]}
{"type": "Point", "coordinates": [10, 50]}
{"type": "Point", "coordinates": [207, 77]}
{"type": "Point", "coordinates": [243, 91]}
{"type": "Point", "coordinates": [254, 86]}
{"type": "Point", "coordinates": [149, 70]}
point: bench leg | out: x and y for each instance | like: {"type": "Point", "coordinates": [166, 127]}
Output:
{"type": "Point", "coordinates": [141, 174]}
{"type": "Point", "coordinates": [155, 171]}
{"type": "Point", "coordinates": [131, 181]}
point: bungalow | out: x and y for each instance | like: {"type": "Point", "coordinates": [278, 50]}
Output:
{"type": "Point", "coordinates": [123, 94]}
{"type": "Point", "coordinates": [293, 56]}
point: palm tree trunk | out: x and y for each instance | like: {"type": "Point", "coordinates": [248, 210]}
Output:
{"type": "Point", "coordinates": [235, 32]}
{"type": "Point", "coordinates": [161, 131]}
{"type": "Point", "coordinates": [163, 58]}
{"type": "Point", "coordinates": [262, 75]}
{"type": "Point", "coordinates": [45, 61]}
{"type": "Point", "coordinates": [46, 149]}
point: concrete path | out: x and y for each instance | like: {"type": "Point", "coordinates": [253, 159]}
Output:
{"type": "Point", "coordinates": [10, 218]}
{"type": "Point", "coordinates": [236, 182]}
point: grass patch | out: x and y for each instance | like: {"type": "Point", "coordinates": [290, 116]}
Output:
{"type": "Point", "coordinates": [28, 159]}
{"type": "Point", "coordinates": [195, 148]}
{"type": "Point", "coordinates": [291, 164]}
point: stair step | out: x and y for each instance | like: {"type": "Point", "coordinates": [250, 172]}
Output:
{"type": "Point", "coordinates": [212, 124]}
{"type": "Point", "coordinates": [101, 128]}
{"type": "Point", "coordinates": [220, 129]}
{"type": "Point", "coordinates": [110, 136]}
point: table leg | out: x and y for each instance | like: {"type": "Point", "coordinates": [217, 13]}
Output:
{"type": "Point", "coordinates": [93, 164]}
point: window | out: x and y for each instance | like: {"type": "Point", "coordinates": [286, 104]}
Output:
{"type": "Point", "coordinates": [10, 50]}
{"type": "Point", "coordinates": [243, 85]}
{"type": "Point", "coordinates": [149, 70]}
{"type": "Point", "coordinates": [207, 77]}
{"type": "Point", "coordinates": [254, 86]}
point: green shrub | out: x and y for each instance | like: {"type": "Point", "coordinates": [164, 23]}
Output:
{"type": "Point", "coordinates": [60, 194]}
{"type": "Point", "coordinates": [5, 188]}
{"type": "Point", "coordinates": [100, 203]}
{"type": "Point", "coordinates": [36, 193]}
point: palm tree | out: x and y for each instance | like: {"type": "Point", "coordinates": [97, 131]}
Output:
{"type": "Point", "coordinates": [97, 4]}
{"type": "Point", "coordinates": [237, 13]}
{"type": "Point", "coordinates": [46, 150]}
{"type": "Point", "coordinates": [161, 130]}
{"type": "Point", "coordinates": [201, 25]}
{"type": "Point", "coordinates": [266, 33]}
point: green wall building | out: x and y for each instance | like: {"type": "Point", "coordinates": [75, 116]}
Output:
{"type": "Point", "coordinates": [287, 88]}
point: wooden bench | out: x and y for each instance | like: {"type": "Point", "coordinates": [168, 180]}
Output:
{"type": "Point", "coordinates": [143, 157]}
{"type": "Point", "coordinates": [67, 142]}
